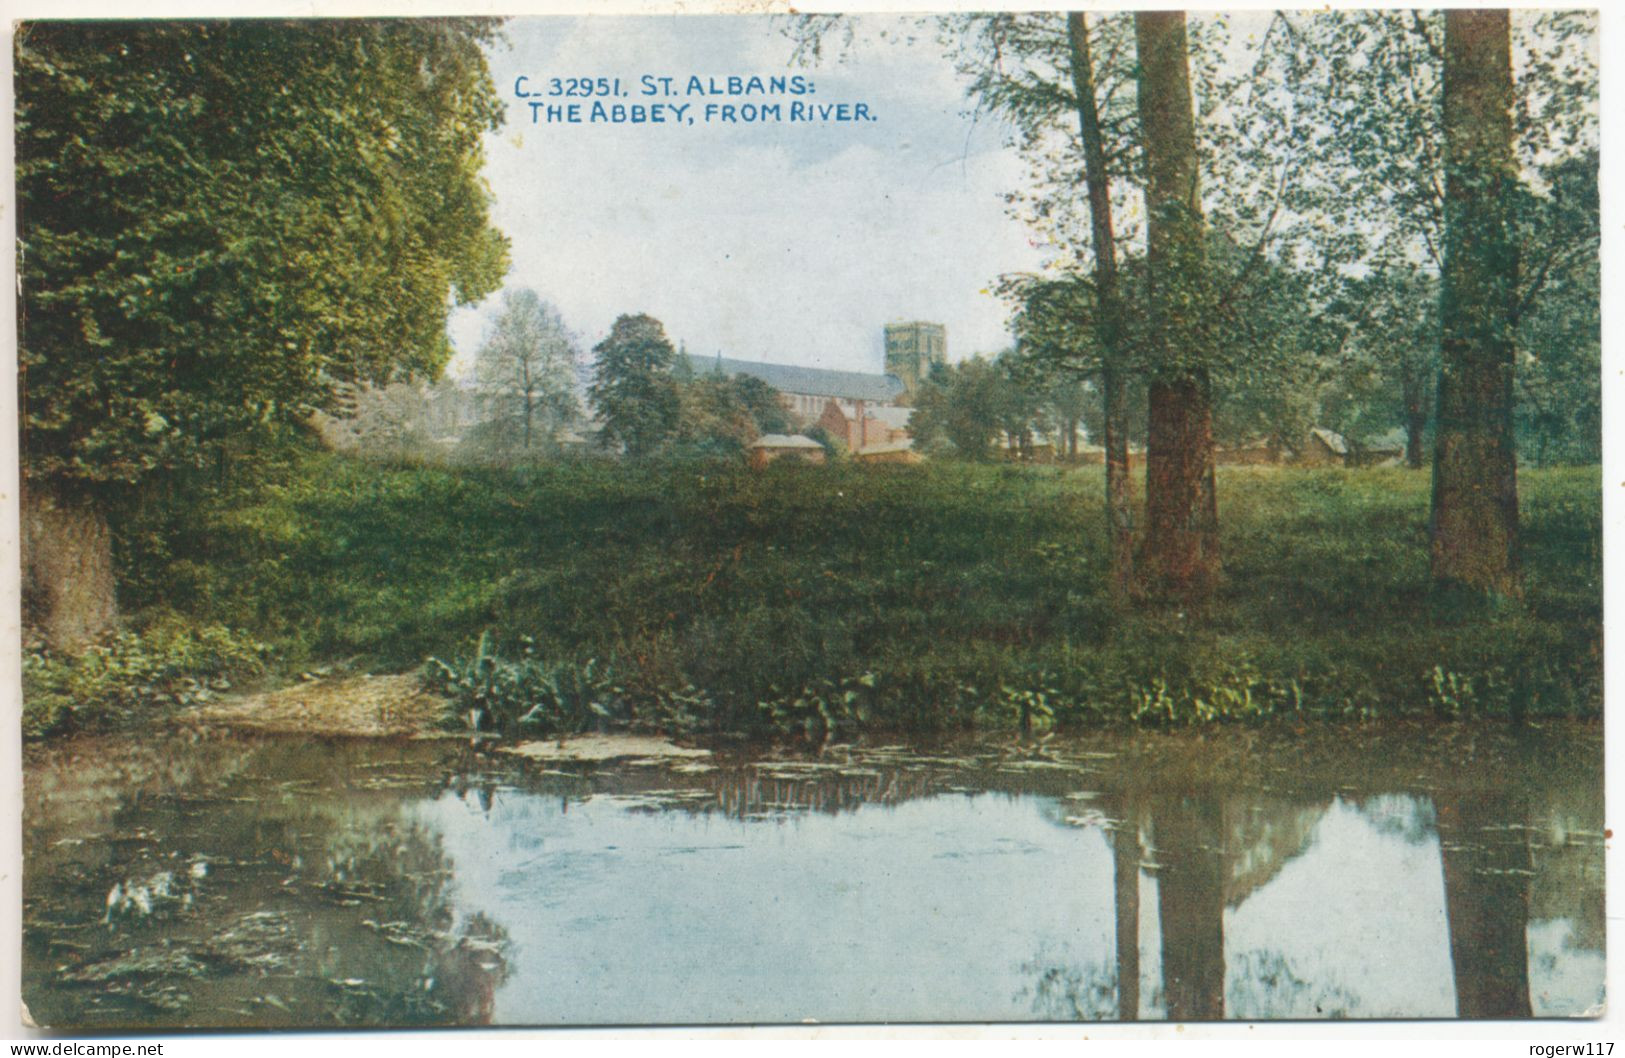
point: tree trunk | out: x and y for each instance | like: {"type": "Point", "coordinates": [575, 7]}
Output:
{"type": "Point", "coordinates": [1475, 492]}
{"type": "Point", "coordinates": [1114, 394]}
{"type": "Point", "coordinates": [67, 570]}
{"type": "Point", "coordinates": [1182, 524]}
{"type": "Point", "coordinates": [1416, 420]}
{"type": "Point", "coordinates": [1119, 483]}
{"type": "Point", "coordinates": [1182, 551]}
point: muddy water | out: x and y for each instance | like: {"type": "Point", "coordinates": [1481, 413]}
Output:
{"type": "Point", "coordinates": [222, 880]}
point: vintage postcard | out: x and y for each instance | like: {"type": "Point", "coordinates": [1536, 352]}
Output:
{"type": "Point", "coordinates": [765, 519]}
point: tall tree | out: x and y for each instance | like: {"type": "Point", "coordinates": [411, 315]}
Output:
{"type": "Point", "coordinates": [962, 404]}
{"type": "Point", "coordinates": [1062, 84]}
{"type": "Point", "coordinates": [1378, 92]}
{"type": "Point", "coordinates": [198, 269]}
{"type": "Point", "coordinates": [1041, 73]}
{"type": "Point", "coordinates": [1108, 308]}
{"type": "Point", "coordinates": [713, 417]}
{"type": "Point", "coordinates": [1182, 524]}
{"type": "Point", "coordinates": [1475, 495]}
{"type": "Point", "coordinates": [526, 367]}
{"type": "Point", "coordinates": [762, 403]}
{"type": "Point", "coordinates": [633, 390]}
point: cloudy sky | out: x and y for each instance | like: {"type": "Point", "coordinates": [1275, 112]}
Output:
{"type": "Point", "coordinates": [784, 242]}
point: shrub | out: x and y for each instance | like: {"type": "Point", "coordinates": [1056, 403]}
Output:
{"type": "Point", "coordinates": [133, 676]}
{"type": "Point", "coordinates": [524, 695]}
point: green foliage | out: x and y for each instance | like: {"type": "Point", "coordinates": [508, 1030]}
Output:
{"type": "Point", "coordinates": [825, 708]}
{"type": "Point", "coordinates": [1018, 67]}
{"type": "Point", "coordinates": [761, 402]}
{"type": "Point", "coordinates": [714, 419]}
{"type": "Point", "coordinates": [1376, 76]}
{"type": "Point", "coordinates": [833, 448]}
{"type": "Point", "coordinates": [524, 695]}
{"type": "Point", "coordinates": [134, 677]}
{"type": "Point", "coordinates": [198, 264]}
{"type": "Point", "coordinates": [971, 404]}
{"type": "Point", "coordinates": [633, 390]}
{"type": "Point", "coordinates": [1559, 317]}
{"type": "Point", "coordinates": [1322, 181]}
{"type": "Point", "coordinates": [844, 597]}
{"type": "Point", "coordinates": [1234, 691]}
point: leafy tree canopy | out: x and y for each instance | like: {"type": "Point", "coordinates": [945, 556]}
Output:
{"type": "Point", "coordinates": [526, 368]}
{"type": "Point", "coordinates": [633, 390]}
{"type": "Point", "coordinates": [968, 405]}
{"type": "Point", "coordinates": [220, 224]}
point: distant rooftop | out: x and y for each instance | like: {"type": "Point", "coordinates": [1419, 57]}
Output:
{"type": "Point", "coordinates": [888, 447]}
{"type": "Point", "coordinates": [813, 381]}
{"type": "Point", "coordinates": [1331, 439]}
{"type": "Point", "coordinates": [779, 440]}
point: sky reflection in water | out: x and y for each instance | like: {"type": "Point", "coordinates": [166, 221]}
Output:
{"type": "Point", "coordinates": [427, 885]}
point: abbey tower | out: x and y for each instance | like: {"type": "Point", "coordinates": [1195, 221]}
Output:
{"type": "Point", "coordinates": [911, 349]}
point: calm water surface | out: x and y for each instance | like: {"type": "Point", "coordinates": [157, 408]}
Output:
{"type": "Point", "coordinates": [226, 880]}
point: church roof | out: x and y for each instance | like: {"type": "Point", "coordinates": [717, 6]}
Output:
{"type": "Point", "coordinates": [812, 381]}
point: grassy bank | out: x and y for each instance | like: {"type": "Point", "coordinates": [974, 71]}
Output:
{"type": "Point", "coordinates": [924, 596]}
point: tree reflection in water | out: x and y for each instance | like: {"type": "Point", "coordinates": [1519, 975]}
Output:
{"type": "Point", "coordinates": [1127, 850]}
{"type": "Point", "coordinates": [1486, 880]}
{"type": "Point", "coordinates": [1511, 899]}
{"type": "Point", "coordinates": [1190, 903]}
{"type": "Point", "coordinates": [321, 906]}
{"type": "Point", "coordinates": [430, 969]}
{"type": "Point", "coordinates": [301, 886]}
{"type": "Point", "coordinates": [1211, 850]}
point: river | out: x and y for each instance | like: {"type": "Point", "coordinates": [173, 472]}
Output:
{"type": "Point", "coordinates": [212, 880]}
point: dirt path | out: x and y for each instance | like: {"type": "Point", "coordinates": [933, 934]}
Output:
{"type": "Point", "coordinates": [368, 706]}
{"type": "Point", "coordinates": [395, 706]}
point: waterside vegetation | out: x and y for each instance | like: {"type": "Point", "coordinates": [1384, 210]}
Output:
{"type": "Point", "coordinates": [701, 598]}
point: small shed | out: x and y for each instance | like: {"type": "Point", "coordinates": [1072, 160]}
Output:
{"type": "Point", "coordinates": [1384, 450]}
{"type": "Point", "coordinates": [1324, 448]}
{"type": "Point", "coordinates": [1036, 449]}
{"type": "Point", "coordinates": [797, 448]}
{"type": "Point", "coordinates": [892, 452]}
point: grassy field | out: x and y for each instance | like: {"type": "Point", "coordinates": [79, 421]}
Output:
{"type": "Point", "coordinates": [819, 598]}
